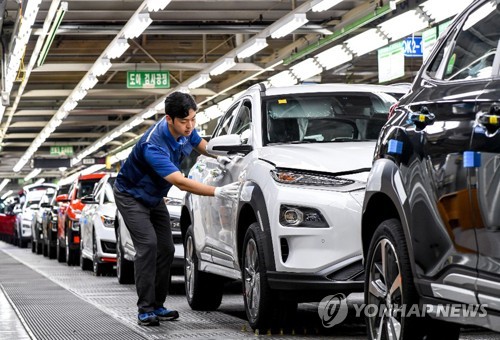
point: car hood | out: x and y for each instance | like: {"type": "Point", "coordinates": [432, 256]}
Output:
{"type": "Point", "coordinates": [324, 157]}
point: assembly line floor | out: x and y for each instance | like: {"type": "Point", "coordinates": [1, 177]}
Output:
{"type": "Point", "coordinates": [44, 299]}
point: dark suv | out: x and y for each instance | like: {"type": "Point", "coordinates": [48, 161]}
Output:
{"type": "Point", "coordinates": [431, 217]}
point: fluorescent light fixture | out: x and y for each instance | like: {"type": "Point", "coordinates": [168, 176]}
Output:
{"type": "Point", "coordinates": [222, 66]}
{"type": "Point", "coordinates": [213, 112]}
{"type": "Point", "coordinates": [157, 5]}
{"type": "Point", "coordinates": [78, 94]}
{"type": "Point", "coordinates": [136, 25]}
{"type": "Point", "coordinates": [4, 183]}
{"type": "Point", "coordinates": [323, 5]}
{"type": "Point", "coordinates": [69, 105]}
{"type": "Point", "coordinates": [479, 14]}
{"type": "Point", "coordinates": [63, 7]}
{"type": "Point", "coordinates": [306, 69]}
{"type": "Point", "coordinates": [7, 194]}
{"type": "Point", "coordinates": [333, 57]}
{"type": "Point", "coordinates": [120, 156]}
{"type": "Point", "coordinates": [201, 118]}
{"type": "Point", "coordinates": [289, 25]}
{"type": "Point", "coordinates": [225, 104]}
{"type": "Point", "coordinates": [403, 25]}
{"type": "Point", "coordinates": [440, 10]}
{"type": "Point", "coordinates": [32, 174]}
{"type": "Point", "coordinates": [101, 66]}
{"type": "Point", "coordinates": [39, 181]}
{"type": "Point", "coordinates": [366, 42]}
{"type": "Point", "coordinates": [184, 89]}
{"type": "Point", "coordinates": [200, 81]}
{"type": "Point", "coordinates": [117, 48]}
{"type": "Point", "coordinates": [284, 78]}
{"type": "Point", "coordinates": [89, 82]}
{"type": "Point", "coordinates": [61, 114]}
{"type": "Point", "coordinates": [252, 48]}
{"type": "Point", "coordinates": [148, 114]}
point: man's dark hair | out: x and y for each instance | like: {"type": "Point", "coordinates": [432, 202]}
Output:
{"type": "Point", "coordinates": [178, 104]}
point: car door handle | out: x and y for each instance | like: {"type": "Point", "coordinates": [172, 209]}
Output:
{"type": "Point", "coordinates": [422, 118]}
{"type": "Point", "coordinates": [490, 120]}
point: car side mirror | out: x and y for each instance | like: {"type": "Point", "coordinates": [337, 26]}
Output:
{"type": "Point", "coordinates": [62, 198]}
{"type": "Point", "coordinates": [89, 199]}
{"type": "Point", "coordinates": [227, 145]}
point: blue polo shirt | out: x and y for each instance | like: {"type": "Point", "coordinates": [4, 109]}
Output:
{"type": "Point", "coordinates": [156, 155]}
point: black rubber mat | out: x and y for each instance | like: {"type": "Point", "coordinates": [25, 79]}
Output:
{"type": "Point", "coordinates": [52, 312]}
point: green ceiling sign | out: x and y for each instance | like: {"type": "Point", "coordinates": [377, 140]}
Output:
{"type": "Point", "coordinates": [148, 79]}
{"type": "Point", "coordinates": [61, 150]}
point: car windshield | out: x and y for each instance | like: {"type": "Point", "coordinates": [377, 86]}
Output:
{"type": "Point", "coordinates": [86, 187]}
{"type": "Point", "coordinates": [330, 117]}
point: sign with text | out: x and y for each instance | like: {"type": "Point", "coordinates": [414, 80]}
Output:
{"type": "Point", "coordinates": [61, 150]}
{"type": "Point", "coordinates": [148, 79]}
{"type": "Point", "coordinates": [412, 46]}
{"type": "Point", "coordinates": [93, 160]}
{"type": "Point", "coordinates": [391, 62]}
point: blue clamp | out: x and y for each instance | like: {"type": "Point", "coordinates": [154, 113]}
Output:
{"type": "Point", "coordinates": [472, 159]}
{"type": "Point", "coordinates": [395, 147]}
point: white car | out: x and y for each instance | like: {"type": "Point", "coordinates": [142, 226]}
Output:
{"type": "Point", "coordinates": [302, 155]}
{"type": "Point", "coordinates": [97, 228]}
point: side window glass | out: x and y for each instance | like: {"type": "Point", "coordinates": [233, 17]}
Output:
{"type": "Point", "coordinates": [225, 123]}
{"type": "Point", "coordinates": [243, 120]}
{"type": "Point", "coordinates": [476, 45]}
{"type": "Point", "coordinates": [108, 194]}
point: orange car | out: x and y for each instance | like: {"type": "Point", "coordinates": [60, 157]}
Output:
{"type": "Point", "coordinates": [68, 225]}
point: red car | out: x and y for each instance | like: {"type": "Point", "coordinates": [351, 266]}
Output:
{"type": "Point", "coordinates": [7, 222]}
{"type": "Point", "coordinates": [68, 224]}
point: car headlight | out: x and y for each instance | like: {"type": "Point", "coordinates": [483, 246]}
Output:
{"type": "Point", "coordinates": [297, 177]}
{"type": "Point", "coordinates": [302, 217]}
{"type": "Point", "coordinates": [75, 225]}
{"type": "Point", "coordinates": [107, 221]}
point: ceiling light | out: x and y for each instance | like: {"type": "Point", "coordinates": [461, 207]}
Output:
{"type": "Point", "coordinates": [213, 112]}
{"type": "Point", "coordinates": [69, 105]}
{"type": "Point", "coordinates": [39, 181]}
{"type": "Point", "coordinates": [200, 81]}
{"type": "Point", "coordinates": [366, 42]}
{"type": "Point", "coordinates": [117, 48]}
{"type": "Point", "coordinates": [89, 82]}
{"type": "Point", "coordinates": [323, 5]}
{"type": "Point", "coordinates": [201, 118]}
{"type": "Point", "coordinates": [223, 66]}
{"type": "Point", "coordinates": [157, 5]}
{"type": "Point", "coordinates": [225, 104]}
{"type": "Point", "coordinates": [284, 78]}
{"type": "Point", "coordinates": [306, 69]}
{"type": "Point", "coordinates": [253, 47]}
{"type": "Point", "coordinates": [440, 10]}
{"type": "Point", "coordinates": [101, 66]}
{"type": "Point", "coordinates": [7, 194]}
{"type": "Point", "coordinates": [4, 183]}
{"type": "Point", "coordinates": [78, 94]}
{"type": "Point", "coordinates": [148, 114]}
{"type": "Point", "coordinates": [289, 25]}
{"type": "Point", "coordinates": [334, 56]}
{"type": "Point", "coordinates": [32, 174]}
{"type": "Point", "coordinates": [403, 25]}
{"type": "Point", "coordinates": [63, 7]}
{"type": "Point", "coordinates": [136, 25]}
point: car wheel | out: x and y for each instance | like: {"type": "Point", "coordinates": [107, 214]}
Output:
{"type": "Point", "coordinates": [39, 246]}
{"type": "Point", "coordinates": [51, 250]}
{"type": "Point", "coordinates": [61, 254]}
{"type": "Point", "coordinates": [85, 263]}
{"type": "Point", "coordinates": [45, 250]}
{"type": "Point", "coordinates": [33, 244]}
{"type": "Point", "coordinates": [203, 290]}
{"type": "Point", "coordinates": [98, 268]}
{"type": "Point", "coordinates": [389, 285]}
{"type": "Point", "coordinates": [263, 307]}
{"type": "Point", "coordinates": [124, 267]}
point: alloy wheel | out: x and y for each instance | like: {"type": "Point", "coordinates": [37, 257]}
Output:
{"type": "Point", "coordinates": [385, 290]}
{"type": "Point", "coordinates": [189, 266]}
{"type": "Point", "coordinates": [252, 278]}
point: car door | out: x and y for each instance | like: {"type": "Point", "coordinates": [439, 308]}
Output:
{"type": "Point", "coordinates": [207, 211]}
{"type": "Point", "coordinates": [438, 129]}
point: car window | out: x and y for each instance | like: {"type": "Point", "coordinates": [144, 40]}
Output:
{"type": "Point", "coordinates": [475, 46]}
{"type": "Point", "coordinates": [225, 123]}
{"type": "Point", "coordinates": [243, 120]}
{"type": "Point", "coordinates": [86, 187]}
{"type": "Point", "coordinates": [108, 193]}
{"type": "Point", "coordinates": [327, 117]}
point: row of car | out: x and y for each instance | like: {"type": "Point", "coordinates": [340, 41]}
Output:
{"type": "Point", "coordinates": [335, 198]}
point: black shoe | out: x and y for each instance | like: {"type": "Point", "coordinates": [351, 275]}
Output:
{"type": "Point", "coordinates": [148, 319]}
{"type": "Point", "coordinates": [166, 314]}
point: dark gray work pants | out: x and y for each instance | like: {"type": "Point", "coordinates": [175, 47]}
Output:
{"type": "Point", "coordinates": [154, 246]}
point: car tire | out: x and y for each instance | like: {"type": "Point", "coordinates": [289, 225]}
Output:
{"type": "Point", "coordinates": [72, 255]}
{"type": "Point", "coordinates": [263, 307]}
{"type": "Point", "coordinates": [124, 267]}
{"type": "Point", "coordinates": [98, 267]}
{"type": "Point", "coordinates": [85, 264]}
{"type": "Point", "coordinates": [45, 249]}
{"type": "Point", "coordinates": [61, 252]}
{"type": "Point", "coordinates": [33, 244]}
{"type": "Point", "coordinates": [203, 290]}
{"type": "Point", "coordinates": [51, 250]}
{"type": "Point", "coordinates": [389, 243]}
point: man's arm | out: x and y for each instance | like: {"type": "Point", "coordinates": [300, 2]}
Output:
{"type": "Point", "coordinates": [186, 184]}
{"type": "Point", "coordinates": [202, 148]}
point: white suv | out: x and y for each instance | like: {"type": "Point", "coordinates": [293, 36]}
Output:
{"type": "Point", "coordinates": [302, 155]}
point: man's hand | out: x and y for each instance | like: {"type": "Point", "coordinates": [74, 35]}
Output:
{"type": "Point", "coordinates": [228, 191]}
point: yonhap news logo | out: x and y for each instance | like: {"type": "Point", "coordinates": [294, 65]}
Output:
{"type": "Point", "coordinates": [333, 309]}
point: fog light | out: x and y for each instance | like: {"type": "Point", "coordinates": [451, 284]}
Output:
{"type": "Point", "coordinates": [295, 216]}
